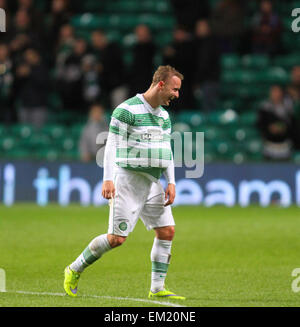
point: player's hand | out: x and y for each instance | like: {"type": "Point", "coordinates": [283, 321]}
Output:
{"type": "Point", "coordinates": [170, 194]}
{"type": "Point", "coordinates": [108, 190]}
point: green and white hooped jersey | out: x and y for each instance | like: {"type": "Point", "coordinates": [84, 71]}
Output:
{"type": "Point", "coordinates": [144, 136]}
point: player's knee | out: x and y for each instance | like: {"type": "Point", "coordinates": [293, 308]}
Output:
{"type": "Point", "coordinates": [171, 232]}
{"type": "Point", "coordinates": [166, 233]}
{"type": "Point", "coordinates": [116, 240]}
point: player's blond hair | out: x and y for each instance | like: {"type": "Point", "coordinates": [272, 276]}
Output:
{"type": "Point", "coordinates": [163, 73]}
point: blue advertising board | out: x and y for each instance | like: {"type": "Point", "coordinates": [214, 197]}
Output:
{"type": "Point", "coordinates": [222, 183]}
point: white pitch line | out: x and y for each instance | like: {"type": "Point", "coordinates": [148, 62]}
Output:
{"type": "Point", "coordinates": [167, 304]}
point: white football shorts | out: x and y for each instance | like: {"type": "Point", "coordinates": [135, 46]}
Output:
{"type": "Point", "coordinates": [136, 196]}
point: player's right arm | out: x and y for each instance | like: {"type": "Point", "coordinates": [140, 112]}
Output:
{"type": "Point", "coordinates": [108, 188]}
{"type": "Point", "coordinates": [121, 119]}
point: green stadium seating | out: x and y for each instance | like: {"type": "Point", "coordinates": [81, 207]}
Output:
{"type": "Point", "coordinates": [287, 61]}
{"type": "Point", "coordinates": [254, 147]}
{"type": "Point", "coordinates": [255, 61]}
{"type": "Point", "coordinates": [210, 153]}
{"type": "Point", "coordinates": [121, 21]}
{"type": "Point", "coordinates": [89, 21]}
{"type": "Point", "coordinates": [18, 153]}
{"type": "Point", "coordinates": [290, 41]}
{"type": "Point", "coordinates": [230, 61]}
{"type": "Point", "coordinates": [242, 134]}
{"type": "Point", "coordinates": [23, 131]}
{"type": "Point", "coordinates": [54, 131]}
{"type": "Point", "coordinates": [192, 118]}
{"type": "Point", "coordinates": [249, 91]}
{"type": "Point", "coordinates": [8, 143]}
{"type": "Point", "coordinates": [75, 130]}
{"type": "Point", "coordinates": [233, 103]}
{"type": "Point", "coordinates": [230, 132]}
{"type": "Point", "coordinates": [224, 148]}
{"type": "Point", "coordinates": [71, 154]}
{"type": "Point", "coordinates": [36, 141]}
{"type": "Point", "coordinates": [239, 157]}
{"type": "Point", "coordinates": [68, 143]}
{"type": "Point", "coordinates": [274, 75]}
{"type": "Point", "coordinates": [246, 76]}
{"type": "Point", "coordinates": [131, 6]}
{"type": "Point", "coordinates": [181, 127]}
{"type": "Point", "coordinates": [212, 133]}
{"type": "Point", "coordinates": [48, 154]}
{"type": "Point", "coordinates": [223, 117]}
{"type": "Point", "coordinates": [248, 118]}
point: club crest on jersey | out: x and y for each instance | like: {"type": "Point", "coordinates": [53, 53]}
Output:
{"type": "Point", "coordinates": [123, 226]}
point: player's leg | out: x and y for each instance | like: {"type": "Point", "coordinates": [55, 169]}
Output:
{"type": "Point", "coordinates": [160, 256]}
{"type": "Point", "coordinates": [156, 216]}
{"type": "Point", "coordinates": [123, 215]}
{"type": "Point", "coordinates": [95, 249]}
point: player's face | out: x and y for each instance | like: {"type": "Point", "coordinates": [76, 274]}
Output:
{"type": "Point", "coordinates": [170, 90]}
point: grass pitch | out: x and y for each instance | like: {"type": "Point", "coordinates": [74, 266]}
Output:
{"type": "Point", "coordinates": [220, 257]}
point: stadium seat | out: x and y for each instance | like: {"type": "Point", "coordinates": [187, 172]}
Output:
{"type": "Point", "coordinates": [248, 118]}
{"type": "Point", "coordinates": [255, 61]}
{"type": "Point", "coordinates": [241, 134]}
{"type": "Point", "coordinates": [8, 143]}
{"type": "Point", "coordinates": [233, 103]}
{"type": "Point", "coordinates": [162, 7]}
{"type": "Point", "coordinates": [274, 75]}
{"type": "Point", "coordinates": [230, 61]}
{"type": "Point", "coordinates": [18, 153]}
{"type": "Point", "coordinates": [192, 118]}
{"type": "Point", "coordinates": [240, 157]}
{"type": "Point", "coordinates": [90, 21]}
{"type": "Point", "coordinates": [289, 41]}
{"type": "Point", "coordinates": [223, 147]}
{"type": "Point", "coordinates": [22, 130]}
{"type": "Point", "coordinates": [224, 117]}
{"type": "Point", "coordinates": [249, 91]}
{"type": "Point", "coordinates": [54, 131]}
{"type": "Point", "coordinates": [254, 148]}
{"type": "Point", "coordinates": [68, 143]}
{"type": "Point", "coordinates": [48, 154]}
{"type": "Point", "coordinates": [210, 153]}
{"type": "Point", "coordinates": [72, 154]}
{"type": "Point", "coordinates": [75, 130]}
{"type": "Point", "coordinates": [36, 141]}
{"type": "Point", "coordinates": [287, 61]}
{"type": "Point", "coordinates": [213, 133]}
{"type": "Point", "coordinates": [181, 127]}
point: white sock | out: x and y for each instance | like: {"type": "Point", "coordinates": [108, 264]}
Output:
{"type": "Point", "coordinates": [97, 247]}
{"type": "Point", "coordinates": [160, 257]}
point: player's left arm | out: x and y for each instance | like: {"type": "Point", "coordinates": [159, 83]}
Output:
{"type": "Point", "coordinates": [169, 174]}
{"type": "Point", "coordinates": [170, 192]}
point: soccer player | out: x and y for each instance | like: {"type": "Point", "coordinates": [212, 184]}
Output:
{"type": "Point", "coordinates": [138, 152]}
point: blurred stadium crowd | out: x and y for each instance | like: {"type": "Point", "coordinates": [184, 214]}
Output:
{"type": "Point", "coordinates": [65, 65]}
